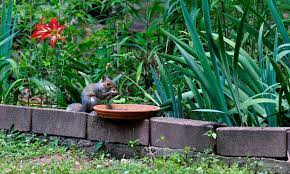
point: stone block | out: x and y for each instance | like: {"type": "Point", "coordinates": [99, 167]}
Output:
{"type": "Point", "coordinates": [17, 116]}
{"type": "Point", "coordinates": [180, 133]}
{"type": "Point", "coordinates": [288, 144]}
{"type": "Point", "coordinates": [252, 141]}
{"type": "Point", "coordinates": [119, 131]}
{"type": "Point", "coordinates": [59, 122]}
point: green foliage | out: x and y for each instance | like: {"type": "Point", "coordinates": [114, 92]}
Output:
{"type": "Point", "coordinates": [59, 75]}
{"type": "Point", "coordinates": [18, 146]}
{"type": "Point", "coordinates": [22, 153]}
{"type": "Point", "coordinates": [7, 29]}
{"type": "Point", "coordinates": [7, 65]}
{"type": "Point", "coordinates": [91, 51]}
{"type": "Point", "coordinates": [225, 79]}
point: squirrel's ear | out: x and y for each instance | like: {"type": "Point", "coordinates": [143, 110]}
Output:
{"type": "Point", "coordinates": [105, 78]}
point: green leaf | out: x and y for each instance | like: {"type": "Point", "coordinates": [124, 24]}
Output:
{"type": "Point", "coordinates": [120, 101]}
{"type": "Point", "coordinates": [280, 78]}
{"type": "Point", "coordinates": [171, 93]}
{"type": "Point", "coordinates": [7, 39]}
{"type": "Point", "coordinates": [45, 85]}
{"type": "Point", "coordinates": [173, 58]}
{"type": "Point", "coordinates": [214, 53]}
{"type": "Point", "coordinates": [87, 78]}
{"type": "Point", "coordinates": [185, 46]}
{"type": "Point", "coordinates": [239, 39]}
{"type": "Point", "coordinates": [157, 82]}
{"type": "Point", "coordinates": [139, 71]}
{"type": "Point", "coordinates": [195, 92]}
{"type": "Point", "coordinates": [14, 67]}
{"type": "Point", "coordinates": [117, 78]}
{"type": "Point", "coordinates": [191, 28]}
{"type": "Point", "coordinates": [278, 20]}
{"type": "Point", "coordinates": [163, 78]}
{"type": "Point", "coordinates": [179, 104]}
{"type": "Point", "coordinates": [185, 96]}
{"type": "Point", "coordinates": [251, 102]}
{"type": "Point", "coordinates": [251, 30]}
{"type": "Point", "coordinates": [202, 57]}
{"type": "Point", "coordinates": [209, 111]}
{"type": "Point", "coordinates": [145, 93]}
{"type": "Point", "coordinates": [16, 83]}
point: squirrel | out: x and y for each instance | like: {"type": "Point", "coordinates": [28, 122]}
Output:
{"type": "Point", "coordinates": [92, 94]}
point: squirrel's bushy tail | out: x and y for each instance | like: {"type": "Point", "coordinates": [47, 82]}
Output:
{"type": "Point", "coordinates": [75, 107]}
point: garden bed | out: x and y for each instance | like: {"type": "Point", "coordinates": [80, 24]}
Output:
{"type": "Point", "coordinates": [22, 153]}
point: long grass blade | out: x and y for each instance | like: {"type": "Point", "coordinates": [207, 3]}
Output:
{"type": "Point", "coordinates": [239, 39]}
{"type": "Point", "coordinates": [284, 81]}
{"type": "Point", "coordinates": [158, 85]}
{"type": "Point", "coordinates": [179, 104]}
{"type": "Point", "coordinates": [195, 92]}
{"type": "Point", "coordinates": [212, 47]}
{"type": "Point", "coordinates": [278, 20]}
{"type": "Point", "coordinates": [251, 30]}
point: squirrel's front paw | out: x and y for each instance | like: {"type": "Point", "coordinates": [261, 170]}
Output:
{"type": "Point", "coordinates": [93, 113]}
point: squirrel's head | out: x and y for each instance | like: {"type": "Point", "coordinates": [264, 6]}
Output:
{"type": "Point", "coordinates": [110, 88]}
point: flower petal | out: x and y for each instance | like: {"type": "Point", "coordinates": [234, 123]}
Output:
{"type": "Point", "coordinates": [60, 29]}
{"type": "Point", "coordinates": [54, 23]}
{"type": "Point", "coordinates": [53, 41]}
{"type": "Point", "coordinates": [46, 35]}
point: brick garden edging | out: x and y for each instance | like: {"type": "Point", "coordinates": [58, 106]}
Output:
{"type": "Point", "coordinates": [17, 116]}
{"type": "Point", "coordinates": [159, 132]}
{"type": "Point", "coordinates": [59, 122]}
{"type": "Point", "coordinates": [117, 131]}
{"type": "Point", "coordinates": [252, 141]}
{"type": "Point", "coordinates": [179, 133]}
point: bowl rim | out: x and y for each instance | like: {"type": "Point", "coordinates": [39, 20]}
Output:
{"type": "Point", "coordinates": [103, 110]}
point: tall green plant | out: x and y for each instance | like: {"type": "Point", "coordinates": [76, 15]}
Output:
{"type": "Point", "coordinates": [8, 66]}
{"type": "Point", "coordinates": [226, 80]}
{"type": "Point", "coordinates": [7, 28]}
{"type": "Point", "coordinates": [165, 90]}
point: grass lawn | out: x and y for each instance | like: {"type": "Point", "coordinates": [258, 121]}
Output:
{"type": "Point", "coordinates": [21, 153]}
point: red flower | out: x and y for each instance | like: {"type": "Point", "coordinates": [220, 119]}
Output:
{"type": "Point", "coordinates": [52, 31]}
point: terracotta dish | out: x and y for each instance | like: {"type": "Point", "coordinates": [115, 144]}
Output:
{"type": "Point", "coordinates": [126, 111]}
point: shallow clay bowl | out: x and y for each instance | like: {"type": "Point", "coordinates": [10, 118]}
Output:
{"type": "Point", "coordinates": [126, 111]}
